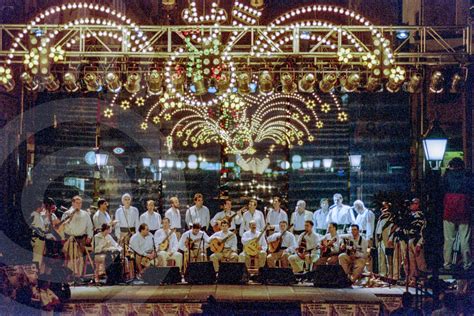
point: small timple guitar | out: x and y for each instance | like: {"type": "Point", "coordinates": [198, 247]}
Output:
{"type": "Point", "coordinates": [274, 246]}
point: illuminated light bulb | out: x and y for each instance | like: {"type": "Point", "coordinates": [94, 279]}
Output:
{"type": "Point", "coordinates": [328, 82]}
{"type": "Point", "coordinates": [112, 80]}
{"type": "Point", "coordinates": [287, 83]}
{"type": "Point", "coordinates": [307, 82]}
{"type": "Point", "coordinates": [6, 79]}
{"type": "Point", "coordinates": [133, 82]}
{"type": "Point", "coordinates": [414, 84]}
{"type": "Point", "coordinates": [393, 85]}
{"type": "Point", "coordinates": [30, 83]}
{"type": "Point", "coordinates": [350, 83]}
{"type": "Point", "coordinates": [93, 82]}
{"type": "Point", "coordinates": [70, 82]}
{"type": "Point", "coordinates": [155, 83]}
{"type": "Point", "coordinates": [265, 82]}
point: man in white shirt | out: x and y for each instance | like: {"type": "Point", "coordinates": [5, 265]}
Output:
{"type": "Point", "coordinates": [388, 251]}
{"type": "Point", "coordinates": [127, 220]}
{"type": "Point", "coordinates": [78, 227]}
{"type": "Point", "coordinates": [230, 246]}
{"type": "Point", "coordinates": [141, 243]}
{"type": "Point", "coordinates": [306, 249]}
{"type": "Point", "coordinates": [299, 217]}
{"type": "Point", "coordinates": [364, 218]}
{"type": "Point", "coordinates": [101, 216]}
{"type": "Point", "coordinates": [287, 242]}
{"type": "Point", "coordinates": [198, 213]}
{"type": "Point", "coordinates": [276, 215]}
{"type": "Point", "coordinates": [247, 237]}
{"type": "Point", "coordinates": [42, 242]}
{"type": "Point", "coordinates": [320, 217]}
{"type": "Point", "coordinates": [167, 244]}
{"type": "Point", "coordinates": [340, 213]}
{"type": "Point", "coordinates": [103, 243]}
{"type": "Point", "coordinates": [197, 241]}
{"type": "Point", "coordinates": [331, 243]}
{"type": "Point", "coordinates": [355, 256]}
{"type": "Point", "coordinates": [252, 215]}
{"type": "Point", "coordinates": [227, 213]}
{"type": "Point", "coordinates": [174, 215]}
{"type": "Point", "coordinates": [151, 218]}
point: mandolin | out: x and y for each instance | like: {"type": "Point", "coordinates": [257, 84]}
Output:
{"type": "Point", "coordinates": [274, 246]}
{"type": "Point", "coordinates": [217, 245]}
{"type": "Point", "coordinates": [251, 248]}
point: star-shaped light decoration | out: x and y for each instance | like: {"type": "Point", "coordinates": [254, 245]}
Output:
{"type": "Point", "coordinates": [125, 104]}
{"type": "Point", "coordinates": [325, 107]}
{"type": "Point", "coordinates": [140, 101]}
{"type": "Point", "coordinates": [342, 116]}
{"type": "Point", "coordinates": [108, 113]}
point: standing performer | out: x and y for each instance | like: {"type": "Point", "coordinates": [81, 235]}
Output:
{"type": "Point", "coordinates": [364, 218]}
{"type": "Point", "coordinates": [252, 214]}
{"type": "Point", "coordinates": [78, 228]}
{"type": "Point", "coordinates": [416, 258]}
{"type": "Point", "coordinates": [330, 246]}
{"type": "Point", "coordinates": [320, 217]}
{"type": "Point", "coordinates": [306, 249]}
{"type": "Point", "coordinates": [174, 215]}
{"type": "Point", "coordinates": [276, 215]}
{"type": "Point", "coordinates": [388, 252]}
{"type": "Point", "coordinates": [141, 243]}
{"type": "Point", "coordinates": [151, 218]}
{"type": "Point", "coordinates": [355, 256]}
{"type": "Point", "coordinates": [280, 244]}
{"type": "Point", "coordinates": [101, 216]}
{"type": "Point", "coordinates": [167, 244]}
{"type": "Point", "coordinates": [195, 241]}
{"type": "Point", "coordinates": [42, 221]}
{"type": "Point", "coordinates": [235, 218]}
{"type": "Point", "coordinates": [103, 244]}
{"type": "Point", "coordinates": [198, 213]}
{"type": "Point", "coordinates": [228, 240]}
{"type": "Point", "coordinates": [299, 217]}
{"type": "Point", "coordinates": [251, 238]}
{"type": "Point", "coordinates": [458, 187]}
{"type": "Point", "coordinates": [340, 213]}
{"type": "Point", "coordinates": [127, 220]}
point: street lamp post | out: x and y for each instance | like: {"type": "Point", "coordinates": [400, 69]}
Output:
{"type": "Point", "coordinates": [434, 146]}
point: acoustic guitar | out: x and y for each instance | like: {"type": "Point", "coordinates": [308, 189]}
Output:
{"type": "Point", "coordinates": [217, 227]}
{"type": "Point", "coordinates": [301, 251]}
{"type": "Point", "coordinates": [57, 227]}
{"type": "Point", "coordinates": [251, 248]}
{"type": "Point", "coordinates": [217, 245]}
{"type": "Point", "coordinates": [274, 246]}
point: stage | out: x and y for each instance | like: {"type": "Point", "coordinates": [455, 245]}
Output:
{"type": "Point", "coordinates": [187, 299]}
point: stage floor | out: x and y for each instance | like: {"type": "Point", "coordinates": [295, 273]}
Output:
{"type": "Point", "coordinates": [185, 299]}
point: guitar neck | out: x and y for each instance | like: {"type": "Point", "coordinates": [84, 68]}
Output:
{"type": "Point", "coordinates": [227, 238]}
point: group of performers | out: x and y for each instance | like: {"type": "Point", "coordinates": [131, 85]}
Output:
{"type": "Point", "coordinates": [337, 234]}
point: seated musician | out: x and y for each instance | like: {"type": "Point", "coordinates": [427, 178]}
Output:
{"type": "Point", "coordinates": [354, 258]}
{"type": "Point", "coordinates": [103, 244]}
{"type": "Point", "coordinates": [330, 245]}
{"type": "Point", "coordinates": [306, 249]}
{"type": "Point", "coordinates": [236, 217]}
{"type": "Point", "coordinates": [261, 253]}
{"type": "Point", "coordinates": [286, 241]}
{"type": "Point", "coordinates": [195, 240]}
{"type": "Point", "coordinates": [167, 244]}
{"type": "Point", "coordinates": [230, 246]}
{"type": "Point", "coordinates": [141, 243]}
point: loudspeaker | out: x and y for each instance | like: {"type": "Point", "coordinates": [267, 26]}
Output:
{"type": "Point", "coordinates": [161, 275]}
{"type": "Point", "coordinates": [232, 273]}
{"type": "Point", "coordinates": [282, 276]}
{"type": "Point", "coordinates": [330, 276]}
{"type": "Point", "coordinates": [200, 273]}
{"type": "Point", "coordinates": [114, 269]}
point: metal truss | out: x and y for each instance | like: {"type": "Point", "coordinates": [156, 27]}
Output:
{"type": "Point", "coordinates": [424, 45]}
